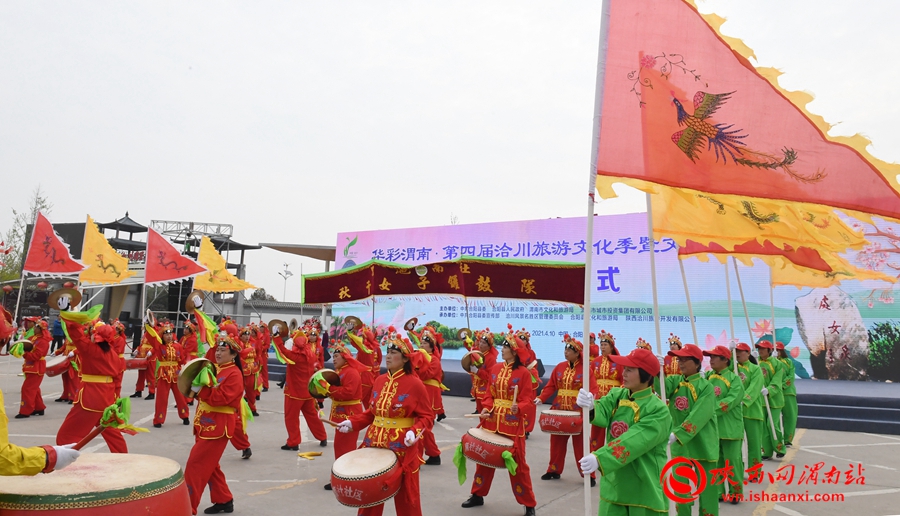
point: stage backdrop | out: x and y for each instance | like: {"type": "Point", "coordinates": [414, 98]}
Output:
{"type": "Point", "coordinates": [833, 333]}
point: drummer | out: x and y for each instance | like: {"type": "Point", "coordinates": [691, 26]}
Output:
{"type": "Point", "coordinates": [565, 380]}
{"type": "Point", "coordinates": [484, 341]}
{"type": "Point", "coordinates": [119, 347]}
{"type": "Point", "coordinates": [531, 363]}
{"type": "Point", "coordinates": [170, 357]}
{"type": "Point", "coordinates": [214, 424]}
{"type": "Point", "coordinates": [251, 368]}
{"type": "Point", "coordinates": [608, 376]}
{"type": "Point", "coordinates": [33, 368]}
{"type": "Point", "coordinates": [345, 398]}
{"type": "Point", "coordinates": [364, 355]}
{"type": "Point", "coordinates": [300, 364]}
{"type": "Point", "coordinates": [71, 379]}
{"type": "Point", "coordinates": [189, 343]}
{"type": "Point", "coordinates": [671, 364]}
{"type": "Point", "coordinates": [97, 392]}
{"type": "Point", "coordinates": [399, 414]}
{"type": "Point", "coordinates": [240, 440]}
{"type": "Point", "coordinates": [148, 374]}
{"type": "Point", "coordinates": [430, 372]}
{"type": "Point", "coordinates": [263, 343]}
{"type": "Point", "coordinates": [511, 393]}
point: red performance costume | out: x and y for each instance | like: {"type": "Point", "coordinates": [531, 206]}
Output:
{"type": "Point", "coordinates": [484, 341]}
{"type": "Point", "coordinates": [215, 423]}
{"type": "Point", "coordinates": [531, 363]}
{"type": "Point", "coordinates": [607, 376]}
{"type": "Point", "coordinates": [300, 363]}
{"type": "Point", "coordinates": [34, 367]}
{"type": "Point", "coordinates": [368, 353]}
{"type": "Point", "coordinates": [240, 440]}
{"type": "Point", "coordinates": [430, 372]}
{"type": "Point", "coordinates": [399, 406]}
{"type": "Point", "coordinates": [100, 363]}
{"type": "Point", "coordinates": [71, 378]}
{"type": "Point", "coordinates": [189, 343]}
{"type": "Point", "coordinates": [671, 364]}
{"type": "Point", "coordinates": [263, 343]}
{"type": "Point", "coordinates": [251, 367]}
{"type": "Point", "coordinates": [169, 359]}
{"type": "Point", "coordinates": [565, 380]}
{"type": "Point", "coordinates": [345, 399]}
{"type": "Point", "coordinates": [511, 385]}
{"type": "Point", "coordinates": [147, 375]}
{"type": "Point", "coordinates": [119, 348]}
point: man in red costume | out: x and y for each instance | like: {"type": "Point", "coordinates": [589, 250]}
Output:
{"type": "Point", "coordinates": [215, 423]}
{"type": "Point", "coordinates": [251, 368]}
{"type": "Point", "coordinates": [148, 374]}
{"type": "Point", "coordinates": [608, 376]}
{"type": "Point", "coordinates": [399, 414]}
{"type": "Point", "coordinates": [33, 367]}
{"type": "Point", "coordinates": [99, 365]}
{"type": "Point", "coordinates": [565, 380]}
{"type": "Point", "coordinates": [70, 378]}
{"type": "Point", "coordinates": [345, 398]}
{"type": "Point", "coordinates": [300, 365]}
{"type": "Point", "coordinates": [119, 347]}
{"type": "Point", "coordinates": [189, 343]}
{"type": "Point", "coordinates": [170, 357]}
{"type": "Point", "coordinates": [263, 343]}
{"type": "Point", "coordinates": [511, 393]}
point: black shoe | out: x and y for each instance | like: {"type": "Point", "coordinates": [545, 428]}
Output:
{"type": "Point", "coordinates": [321, 404]}
{"type": "Point", "coordinates": [137, 394]}
{"type": "Point", "coordinates": [550, 476]}
{"type": "Point", "coordinates": [779, 455]}
{"type": "Point", "coordinates": [526, 435]}
{"type": "Point", "coordinates": [328, 486]}
{"type": "Point", "coordinates": [257, 398]}
{"type": "Point", "coordinates": [151, 396]}
{"type": "Point", "coordinates": [220, 507]}
{"type": "Point", "coordinates": [323, 443]}
{"type": "Point", "coordinates": [593, 482]}
{"type": "Point", "coordinates": [191, 403]}
{"type": "Point", "coordinates": [767, 458]}
{"type": "Point", "coordinates": [473, 501]}
{"type": "Point", "coordinates": [266, 389]}
{"type": "Point", "coordinates": [246, 454]}
{"type": "Point", "coordinates": [441, 416]}
{"type": "Point", "coordinates": [291, 448]}
{"type": "Point", "coordinates": [157, 425]}
{"type": "Point", "coordinates": [255, 413]}
{"type": "Point", "coordinates": [433, 461]}
{"type": "Point", "coordinates": [22, 416]}
{"type": "Point", "coordinates": [734, 500]}
{"type": "Point", "coordinates": [37, 413]}
{"type": "Point", "coordinates": [529, 511]}
{"type": "Point", "coordinates": [471, 399]}
{"type": "Point", "coordinates": [70, 402]}
{"type": "Point", "coordinates": [60, 400]}
{"type": "Point", "coordinates": [280, 385]}
{"type": "Point", "coordinates": [185, 421]}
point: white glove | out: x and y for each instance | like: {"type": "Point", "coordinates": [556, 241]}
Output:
{"type": "Point", "coordinates": [589, 463]}
{"type": "Point", "coordinates": [149, 354]}
{"type": "Point", "coordinates": [585, 399]}
{"type": "Point", "coordinates": [538, 401]}
{"type": "Point", "coordinates": [276, 329]}
{"type": "Point", "coordinates": [765, 392]}
{"type": "Point", "coordinates": [71, 354]}
{"type": "Point", "coordinates": [410, 438]}
{"type": "Point", "coordinates": [662, 360]}
{"type": "Point", "coordinates": [473, 369]}
{"type": "Point", "coordinates": [345, 426]}
{"type": "Point", "coordinates": [65, 455]}
{"type": "Point", "coordinates": [198, 301]}
{"type": "Point", "coordinates": [672, 438]}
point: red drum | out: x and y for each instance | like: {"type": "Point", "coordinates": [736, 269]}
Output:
{"type": "Point", "coordinates": [57, 365]}
{"type": "Point", "coordinates": [560, 422]}
{"type": "Point", "coordinates": [135, 363]}
{"type": "Point", "coordinates": [100, 484]}
{"type": "Point", "coordinates": [366, 477]}
{"type": "Point", "coordinates": [486, 448]}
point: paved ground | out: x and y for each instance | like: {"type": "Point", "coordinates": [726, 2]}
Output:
{"type": "Point", "coordinates": [276, 481]}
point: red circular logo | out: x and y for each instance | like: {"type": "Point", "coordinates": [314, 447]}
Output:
{"type": "Point", "coordinates": [683, 479]}
{"type": "Point", "coordinates": [617, 428]}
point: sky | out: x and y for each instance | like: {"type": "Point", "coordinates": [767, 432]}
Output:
{"type": "Point", "coordinates": [294, 121]}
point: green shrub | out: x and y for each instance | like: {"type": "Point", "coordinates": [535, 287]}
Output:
{"type": "Point", "coordinates": [884, 351]}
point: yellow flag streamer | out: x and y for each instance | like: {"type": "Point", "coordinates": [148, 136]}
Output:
{"type": "Point", "coordinates": [841, 270]}
{"type": "Point", "coordinates": [104, 264]}
{"type": "Point", "coordinates": [218, 279]}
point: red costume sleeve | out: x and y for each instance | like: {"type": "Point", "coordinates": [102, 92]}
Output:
{"type": "Point", "coordinates": [551, 387]}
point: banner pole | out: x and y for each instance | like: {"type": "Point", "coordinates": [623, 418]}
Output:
{"type": "Point", "coordinates": [728, 293]}
{"type": "Point", "coordinates": [687, 295]}
{"type": "Point", "coordinates": [25, 245]}
{"type": "Point", "coordinates": [737, 274]}
{"type": "Point", "coordinates": [602, 48]}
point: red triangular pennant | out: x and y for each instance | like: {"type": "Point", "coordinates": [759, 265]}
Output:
{"type": "Point", "coordinates": [165, 264]}
{"type": "Point", "coordinates": [48, 255]}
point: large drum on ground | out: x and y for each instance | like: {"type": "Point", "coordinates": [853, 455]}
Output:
{"type": "Point", "coordinates": [135, 363]}
{"type": "Point", "coordinates": [560, 422]}
{"type": "Point", "coordinates": [486, 448]}
{"type": "Point", "coordinates": [100, 484]}
{"type": "Point", "coordinates": [57, 365]}
{"type": "Point", "coordinates": [366, 477]}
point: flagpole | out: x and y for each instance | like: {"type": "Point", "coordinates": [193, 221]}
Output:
{"type": "Point", "coordinates": [772, 302]}
{"type": "Point", "coordinates": [737, 274]}
{"type": "Point", "coordinates": [589, 229]}
{"type": "Point", "coordinates": [22, 271]}
{"type": "Point", "coordinates": [687, 295]}
{"type": "Point", "coordinates": [728, 293]}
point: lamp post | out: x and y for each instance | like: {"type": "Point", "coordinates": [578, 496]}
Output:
{"type": "Point", "coordinates": [286, 274]}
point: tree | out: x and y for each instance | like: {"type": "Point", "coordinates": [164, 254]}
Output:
{"type": "Point", "coordinates": [879, 255]}
{"type": "Point", "coordinates": [261, 295]}
{"type": "Point", "coordinates": [17, 236]}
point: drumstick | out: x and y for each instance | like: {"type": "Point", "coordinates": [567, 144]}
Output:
{"type": "Point", "coordinates": [328, 422]}
{"type": "Point", "coordinates": [88, 438]}
{"type": "Point", "coordinates": [478, 415]}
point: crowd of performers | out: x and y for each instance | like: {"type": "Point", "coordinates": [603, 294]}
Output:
{"type": "Point", "coordinates": [709, 414]}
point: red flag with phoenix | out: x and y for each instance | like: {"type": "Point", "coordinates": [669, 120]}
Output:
{"type": "Point", "coordinates": [683, 108]}
{"type": "Point", "coordinates": [165, 264]}
{"type": "Point", "coordinates": [47, 254]}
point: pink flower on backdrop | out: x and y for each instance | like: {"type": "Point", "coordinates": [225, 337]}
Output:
{"type": "Point", "coordinates": [760, 328]}
{"type": "Point", "coordinates": [648, 61]}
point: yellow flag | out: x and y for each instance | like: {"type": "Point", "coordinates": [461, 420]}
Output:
{"type": "Point", "coordinates": [218, 279]}
{"type": "Point", "coordinates": [841, 270]}
{"type": "Point", "coordinates": [729, 221]}
{"type": "Point", "coordinates": [104, 264]}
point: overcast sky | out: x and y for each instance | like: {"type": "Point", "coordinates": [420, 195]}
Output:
{"type": "Point", "coordinates": [296, 120]}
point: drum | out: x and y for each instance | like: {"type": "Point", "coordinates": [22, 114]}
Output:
{"type": "Point", "coordinates": [560, 422]}
{"type": "Point", "coordinates": [135, 363]}
{"type": "Point", "coordinates": [99, 484]}
{"type": "Point", "coordinates": [366, 477]}
{"type": "Point", "coordinates": [318, 391]}
{"type": "Point", "coordinates": [486, 448]}
{"type": "Point", "coordinates": [57, 365]}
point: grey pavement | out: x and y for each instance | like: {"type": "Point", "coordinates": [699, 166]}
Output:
{"type": "Point", "coordinates": [274, 481]}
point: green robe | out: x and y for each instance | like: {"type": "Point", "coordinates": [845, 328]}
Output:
{"type": "Point", "coordinates": [788, 387]}
{"type": "Point", "coordinates": [773, 379]}
{"type": "Point", "coordinates": [752, 379]}
{"type": "Point", "coordinates": [692, 404]}
{"type": "Point", "coordinates": [729, 396]}
{"type": "Point", "coordinates": [631, 462]}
